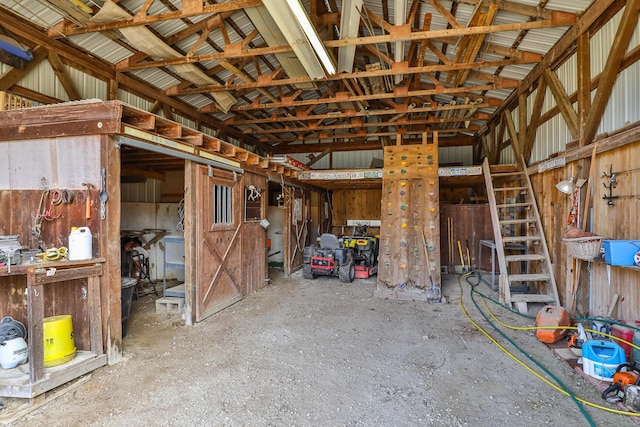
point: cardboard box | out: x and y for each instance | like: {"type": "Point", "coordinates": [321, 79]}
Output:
{"type": "Point", "coordinates": [620, 252]}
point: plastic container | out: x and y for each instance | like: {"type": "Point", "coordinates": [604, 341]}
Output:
{"type": "Point", "coordinates": [620, 252]}
{"type": "Point", "coordinates": [626, 334]}
{"type": "Point", "coordinates": [552, 315]}
{"type": "Point", "coordinates": [80, 244]}
{"type": "Point", "coordinates": [59, 346]}
{"type": "Point", "coordinates": [127, 286]}
{"type": "Point", "coordinates": [13, 352]}
{"type": "Point", "coordinates": [600, 326]}
{"type": "Point", "coordinates": [600, 359]}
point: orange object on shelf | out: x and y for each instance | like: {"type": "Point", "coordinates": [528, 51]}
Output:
{"type": "Point", "coordinates": [551, 315]}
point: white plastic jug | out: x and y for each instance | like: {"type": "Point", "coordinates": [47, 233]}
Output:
{"type": "Point", "coordinates": [80, 244]}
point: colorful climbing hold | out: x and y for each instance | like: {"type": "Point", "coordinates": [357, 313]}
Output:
{"type": "Point", "coordinates": [404, 157]}
{"type": "Point", "coordinates": [402, 192]}
{"type": "Point", "coordinates": [403, 265]}
{"type": "Point", "coordinates": [403, 244]}
{"type": "Point", "coordinates": [432, 248]}
{"type": "Point", "coordinates": [403, 207]}
{"type": "Point", "coordinates": [403, 171]}
{"type": "Point", "coordinates": [403, 163]}
{"type": "Point", "coordinates": [403, 183]}
{"type": "Point", "coordinates": [404, 225]}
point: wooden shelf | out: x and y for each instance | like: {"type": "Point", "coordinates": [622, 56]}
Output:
{"type": "Point", "coordinates": [32, 379]}
{"type": "Point", "coordinates": [627, 267]}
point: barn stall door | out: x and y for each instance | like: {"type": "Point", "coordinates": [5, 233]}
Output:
{"type": "Point", "coordinates": [218, 242]}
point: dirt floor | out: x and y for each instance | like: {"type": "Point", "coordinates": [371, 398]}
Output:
{"type": "Point", "coordinates": [322, 353]}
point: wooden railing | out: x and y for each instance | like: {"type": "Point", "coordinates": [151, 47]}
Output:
{"type": "Point", "coordinates": [12, 102]}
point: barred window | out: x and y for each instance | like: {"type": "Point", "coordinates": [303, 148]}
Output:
{"type": "Point", "coordinates": [222, 199]}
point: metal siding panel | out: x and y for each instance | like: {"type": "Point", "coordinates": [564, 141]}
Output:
{"type": "Point", "coordinates": [461, 155]}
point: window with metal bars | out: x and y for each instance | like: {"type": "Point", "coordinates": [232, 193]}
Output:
{"type": "Point", "coordinates": [222, 199]}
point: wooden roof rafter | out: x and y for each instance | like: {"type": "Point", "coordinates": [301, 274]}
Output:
{"type": "Point", "coordinates": [267, 81]}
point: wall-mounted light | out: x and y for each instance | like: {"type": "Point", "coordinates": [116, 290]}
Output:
{"type": "Point", "coordinates": [565, 186]}
{"type": "Point", "coordinates": [568, 185]}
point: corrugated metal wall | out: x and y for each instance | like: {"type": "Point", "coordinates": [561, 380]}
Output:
{"type": "Point", "coordinates": [343, 159]}
{"type": "Point", "coordinates": [622, 109]}
{"type": "Point", "coordinates": [142, 192]}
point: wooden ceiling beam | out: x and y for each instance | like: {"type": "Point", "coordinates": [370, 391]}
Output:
{"type": "Point", "coordinates": [267, 81]}
{"type": "Point", "coordinates": [64, 77]}
{"type": "Point", "coordinates": [372, 141]}
{"type": "Point", "coordinates": [231, 6]}
{"type": "Point", "coordinates": [609, 75]}
{"type": "Point", "coordinates": [33, 95]}
{"type": "Point", "coordinates": [358, 145]}
{"type": "Point", "coordinates": [563, 102]}
{"type": "Point", "coordinates": [400, 33]}
{"type": "Point", "coordinates": [356, 125]}
{"type": "Point", "coordinates": [353, 113]}
{"type": "Point", "coordinates": [344, 97]}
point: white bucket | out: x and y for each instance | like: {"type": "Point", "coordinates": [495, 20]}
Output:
{"type": "Point", "coordinates": [80, 244]}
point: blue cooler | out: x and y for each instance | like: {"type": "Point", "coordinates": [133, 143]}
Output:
{"type": "Point", "coordinates": [600, 359]}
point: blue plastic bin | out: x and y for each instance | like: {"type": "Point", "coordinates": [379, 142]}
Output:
{"type": "Point", "coordinates": [620, 252]}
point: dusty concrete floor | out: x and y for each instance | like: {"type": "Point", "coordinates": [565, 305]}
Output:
{"type": "Point", "coordinates": [322, 353]}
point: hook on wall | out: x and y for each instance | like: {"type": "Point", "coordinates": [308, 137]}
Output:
{"type": "Point", "coordinates": [612, 180]}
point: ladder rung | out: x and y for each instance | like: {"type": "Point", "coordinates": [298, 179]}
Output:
{"type": "Point", "coordinates": [513, 205]}
{"type": "Point", "coordinates": [524, 257]}
{"type": "Point", "coordinates": [532, 298]}
{"type": "Point", "coordinates": [509, 189]}
{"type": "Point", "coordinates": [521, 239]}
{"type": "Point", "coordinates": [538, 277]}
{"type": "Point", "coordinates": [506, 174]}
{"type": "Point", "coordinates": [518, 221]}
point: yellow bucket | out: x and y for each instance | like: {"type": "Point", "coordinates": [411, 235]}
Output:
{"type": "Point", "coordinates": [59, 346]}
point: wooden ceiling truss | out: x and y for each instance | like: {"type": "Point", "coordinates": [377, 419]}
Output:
{"type": "Point", "coordinates": [385, 95]}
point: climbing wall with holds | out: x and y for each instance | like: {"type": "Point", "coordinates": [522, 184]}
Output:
{"type": "Point", "coordinates": [409, 252]}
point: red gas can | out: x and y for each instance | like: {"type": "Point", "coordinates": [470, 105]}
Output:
{"type": "Point", "coordinates": [551, 315]}
{"type": "Point", "coordinates": [626, 334]}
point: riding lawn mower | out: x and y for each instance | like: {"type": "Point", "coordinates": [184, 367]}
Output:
{"type": "Point", "coordinates": [329, 260]}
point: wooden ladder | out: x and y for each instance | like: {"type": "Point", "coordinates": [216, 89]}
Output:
{"type": "Point", "coordinates": [517, 228]}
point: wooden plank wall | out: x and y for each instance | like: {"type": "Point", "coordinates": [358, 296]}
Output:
{"type": "Point", "coordinates": [410, 208]}
{"type": "Point", "coordinates": [470, 223]}
{"type": "Point", "coordinates": [355, 204]}
{"type": "Point", "coordinates": [22, 182]}
{"type": "Point", "coordinates": [619, 222]}
{"type": "Point", "coordinates": [595, 293]}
